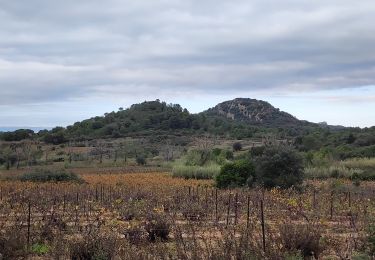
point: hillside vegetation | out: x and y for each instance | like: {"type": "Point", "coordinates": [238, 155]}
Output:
{"type": "Point", "coordinates": [246, 119]}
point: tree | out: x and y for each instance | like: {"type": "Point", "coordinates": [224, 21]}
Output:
{"type": "Point", "coordinates": [17, 135]}
{"type": "Point", "coordinates": [124, 151]}
{"type": "Point", "coordinates": [234, 174]}
{"type": "Point", "coordinates": [351, 139]}
{"type": "Point", "coordinates": [279, 166]}
{"type": "Point", "coordinates": [8, 157]}
{"type": "Point", "coordinates": [100, 150]}
{"type": "Point", "coordinates": [55, 138]}
{"type": "Point", "coordinates": [31, 152]}
{"type": "Point", "coordinates": [168, 150]}
{"type": "Point", "coordinates": [18, 150]}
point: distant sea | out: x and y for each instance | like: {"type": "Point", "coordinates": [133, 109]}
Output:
{"type": "Point", "coordinates": [13, 128]}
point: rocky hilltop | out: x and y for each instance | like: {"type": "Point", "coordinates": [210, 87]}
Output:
{"type": "Point", "coordinates": [255, 112]}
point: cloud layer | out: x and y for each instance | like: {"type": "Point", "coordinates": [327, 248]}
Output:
{"type": "Point", "coordinates": [64, 51]}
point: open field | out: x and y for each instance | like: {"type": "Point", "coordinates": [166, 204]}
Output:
{"type": "Point", "coordinates": [155, 216]}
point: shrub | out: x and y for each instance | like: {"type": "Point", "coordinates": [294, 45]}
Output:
{"type": "Point", "coordinates": [227, 154]}
{"type": "Point", "coordinates": [12, 243]}
{"type": "Point", "coordinates": [141, 160]}
{"type": "Point", "coordinates": [279, 166]}
{"type": "Point", "coordinates": [198, 157]}
{"type": "Point", "coordinates": [157, 227]}
{"type": "Point", "coordinates": [134, 234]}
{"type": "Point", "coordinates": [216, 152]}
{"type": "Point", "coordinates": [257, 151]}
{"type": "Point", "coordinates": [223, 157]}
{"type": "Point", "coordinates": [50, 176]}
{"type": "Point", "coordinates": [55, 138]}
{"type": "Point", "coordinates": [93, 246]}
{"type": "Point", "coordinates": [234, 174]}
{"type": "Point", "coordinates": [40, 249]}
{"type": "Point", "coordinates": [237, 146]}
{"type": "Point", "coordinates": [301, 238]}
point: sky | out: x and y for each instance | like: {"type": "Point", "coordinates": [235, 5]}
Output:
{"type": "Point", "coordinates": [65, 61]}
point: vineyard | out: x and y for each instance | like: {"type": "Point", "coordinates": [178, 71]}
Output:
{"type": "Point", "coordinates": [156, 216]}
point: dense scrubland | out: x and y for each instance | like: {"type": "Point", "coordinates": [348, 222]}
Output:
{"type": "Point", "coordinates": [156, 182]}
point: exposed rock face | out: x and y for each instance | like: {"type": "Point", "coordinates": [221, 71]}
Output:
{"type": "Point", "coordinates": [253, 111]}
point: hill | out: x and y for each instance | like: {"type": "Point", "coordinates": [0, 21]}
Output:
{"type": "Point", "coordinates": [239, 118]}
{"type": "Point", "coordinates": [255, 112]}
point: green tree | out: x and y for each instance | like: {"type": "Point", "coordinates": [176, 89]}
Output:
{"type": "Point", "coordinates": [279, 166]}
{"type": "Point", "coordinates": [8, 157]}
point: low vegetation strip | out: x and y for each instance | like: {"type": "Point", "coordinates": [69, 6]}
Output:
{"type": "Point", "coordinates": [361, 169]}
{"type": "Point", "coordinates": [50, 176]}
{"type": "Point", "coordinates": [196, 172]}
{"type": "Point", "coordinates": [359, 163]}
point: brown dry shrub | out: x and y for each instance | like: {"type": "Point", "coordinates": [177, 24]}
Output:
{"type": "Point", "coordinates": [13, 243]}
{"type": "Point", "coordinates": [135, 234]}
{"type": "Point", "coordinates": [157, 226]}
{"type": "Point", "coordinates": [304, 238]}
{"type": "Point", "coordinates": [93, 246]}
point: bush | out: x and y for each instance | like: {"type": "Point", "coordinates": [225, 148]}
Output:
{"type": "Point", "coordinates": [93, 246]}
{"type": "Point", "coordinates": [301, 238]}
{"type": "Point", "coordinates": [257, 151]}
{"type": "Point", "coordinates": [279, 166]}
{"type": "Point", "coordinates": [50, 176]}
{"type": "Point", "coordinates": [40, 249]}
{"type": "Point", "coordinates": [55, 138]}
{"type": "Point", "coordinates": [227, 154]}
{"type": "Point", "coordinates": [237, 146]}
{"type": "Point", "coordinates": [12, 243]}
{"type": "Point", "coordinates": [134, 234]}
{"type": "Point", "coordinates": [198, 157]}
{"type": "Point", "coordinates": [223, 157]}
{"type": "Point", "coordinates": [141, 160]}
{"type": "Point", "coordinates": [235, 174]}
{"type": "Point", "coordinates": [157, 227]}
{"type": "Point", "coordinates": [216, 152]}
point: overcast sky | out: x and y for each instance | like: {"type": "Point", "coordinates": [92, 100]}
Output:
{"type": "Point", "coordinates": [64, 61]}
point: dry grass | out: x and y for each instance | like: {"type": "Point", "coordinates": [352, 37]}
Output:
{"type": "Point", "coordinates": [155, 216]}
{"type": "Point", "coordinates": [359, 163]}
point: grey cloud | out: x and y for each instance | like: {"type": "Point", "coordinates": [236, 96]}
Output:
{"type": "Point", "coordinates": [61, 50]}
